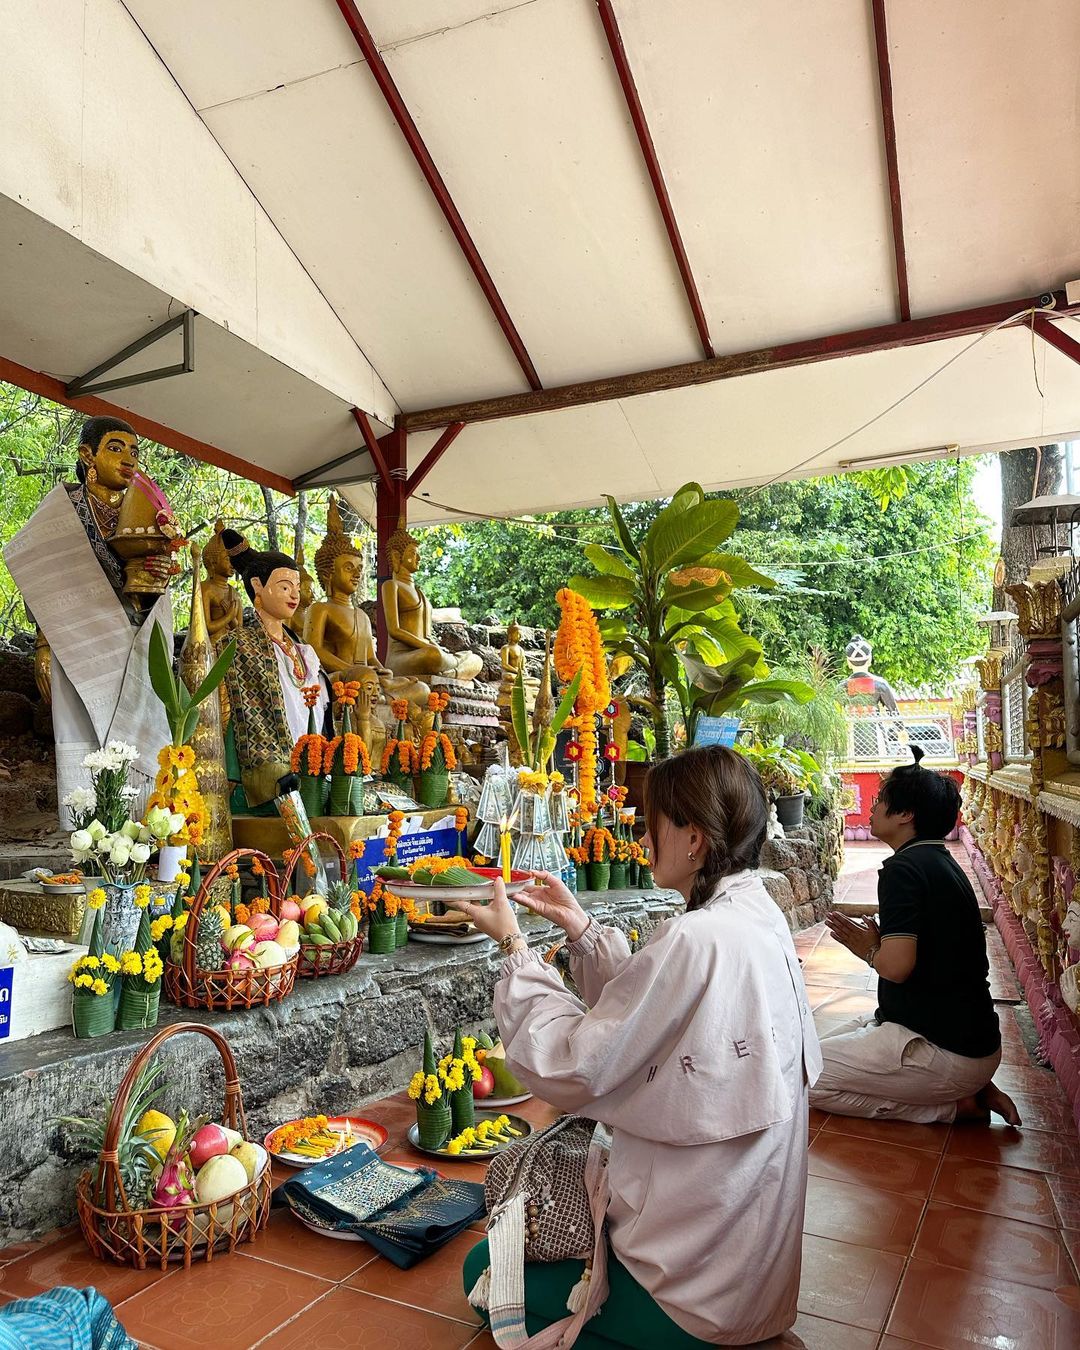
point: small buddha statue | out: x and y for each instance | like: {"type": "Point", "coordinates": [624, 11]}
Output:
{"type": "Point", "coordinates": [411, 648]}
{"type": "Point", "coordinates": [307, 590]}
{"type": "Point", "coordinates": [222, 605]}
{"type": "Point", "coordinates": [338, 630]}
{"type": "Point", "coordinates": [369, 726]}
{"type": "Point", "coordinates": [512, 661]}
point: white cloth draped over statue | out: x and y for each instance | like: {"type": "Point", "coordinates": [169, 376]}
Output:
{"type": "Point", "coordinates": [101, 687]}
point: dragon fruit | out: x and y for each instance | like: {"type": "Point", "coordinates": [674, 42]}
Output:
{"type": "Point", "coordinates": [174, 1184]}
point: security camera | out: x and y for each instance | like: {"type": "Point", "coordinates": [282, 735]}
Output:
{"type": "Point", "coordinates": [1046, 300]}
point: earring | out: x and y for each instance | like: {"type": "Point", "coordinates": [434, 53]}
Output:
{"type": "Point", "coordinates": [91, 475]}
{"type": "Point", "coordinates": [691, 856]}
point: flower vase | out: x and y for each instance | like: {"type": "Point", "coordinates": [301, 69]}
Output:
{"type": "Point", "coordinates": [599, 874]}
{"type": "Point", "coordinates": [463, 1107]}
{"type": "Point", "coordinates": [170, 856]}
{"type": "Point", "coordinates": [646, 879]}
{"type": "Point", "coordinates": [582, 877]}
{"type": "Point", "coordinates": [401, 927]}
{"type": "Point", "coordinates": [619, 878]}
{"type": "Point", "coordinates": [313, 794]}
{"type": "Point", "coordinates": [382, 936]}
{"type": "Point", "coordinates": [138, 1008]}
{"type": "Point", "coordinates": [93, 1016]}
{"type": "Point", "coordinates": [119, 917]}
{"type": "Point", "coordinates": [433, 1124]}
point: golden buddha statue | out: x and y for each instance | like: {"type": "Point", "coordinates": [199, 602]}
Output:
{"type": "Point", "coordinates": [223, 608]}
{"type": "Point", "coordinates": [512, 661]}
{"type": "Point", "coordinates": [339, 631]}
{"type": "Point", "coordinates": [307, 591]}
{"type": "Point", "coordinates": [410, 648]}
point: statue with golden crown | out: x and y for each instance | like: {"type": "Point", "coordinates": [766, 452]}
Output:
{"type": "Point", "coordinates": [93, 564]}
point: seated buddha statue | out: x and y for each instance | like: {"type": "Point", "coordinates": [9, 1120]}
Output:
{"type": "Point", "coordinates": [338, 630]}
{"type": "Point", "coordinates": [223, 608]}
{"type": "Point", "coordinates": [411, 648]}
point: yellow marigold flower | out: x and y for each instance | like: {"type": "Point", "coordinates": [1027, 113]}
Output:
{"type": "Point", "coordinates": [96, 898]}
{"type": "Point", "coordinates": [83, 982]}
{"type": "Point", "coordinates": [432, 1091]}
{"type": "Point", "coordinates": [181, 923]}
{"type": "Point", "coordinates": [99, 987]}
{"type": "Point", "coordinates": [160, 927]}
{"type": "Point", "coordinates": [111, 964]}
{"type": "Point", "coordinates": [454, 1147]}
{"type": "Point", "coordinates": [91, 962]}
{"type": "Point", "coordinates": [131, 963]}
{"type": "Point", "coordinates": [416, 1085]}
{"type": "Point", "coordinates": [633, 935]}
{"type": "Point", "coordinates": [142, 896]}
{"type": "Point", "coordinates": [182, 879]}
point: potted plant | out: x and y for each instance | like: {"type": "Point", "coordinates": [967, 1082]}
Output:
{"type": "Point", "coordinates": [672, 591]}
{"type": "Point", "coordinates": [788, 775]}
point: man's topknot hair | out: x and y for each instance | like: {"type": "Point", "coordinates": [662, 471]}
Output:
{"type": "Point", "coordinates": [933, 799]}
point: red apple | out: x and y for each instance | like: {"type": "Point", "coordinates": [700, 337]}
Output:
{"type": "Point", "coordinates": [483, 1086]}
{"type": "Point", "coordinates": [207, 1143]}
{"type": "Point", "coordinates": [291, 910]}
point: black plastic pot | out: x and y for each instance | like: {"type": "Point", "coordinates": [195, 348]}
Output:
{"type": "Point", "coordinates": [789, 810]}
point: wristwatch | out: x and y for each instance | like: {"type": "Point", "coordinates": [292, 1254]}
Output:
{"type": "Point", "coordinates": [506, 946]}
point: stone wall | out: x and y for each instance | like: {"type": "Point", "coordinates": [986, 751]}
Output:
{"type": "Point", "coordinates": [333, 1046]}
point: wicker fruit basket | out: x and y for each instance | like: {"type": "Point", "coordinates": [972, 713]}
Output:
{"type": "Point", "coordinates": [224, 989]}
{"type": "Point", "coordinates": [339, 957]}
{"type": "Point", "coordinates": [114, 1231]}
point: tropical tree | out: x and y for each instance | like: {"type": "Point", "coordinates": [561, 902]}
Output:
{"type": "Point", "coordinates": [674, 620]}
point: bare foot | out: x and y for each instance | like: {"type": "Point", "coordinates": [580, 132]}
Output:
{"type": "Point", "coordinates": [993, 1099]}
{"type": "Point", "coordinates": [972, 1110]}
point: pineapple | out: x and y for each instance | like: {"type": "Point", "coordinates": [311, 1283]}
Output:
{"type": "Point", "coordinates": [208, 951]}
{"type": "Point", "coordinates": [339, 897]}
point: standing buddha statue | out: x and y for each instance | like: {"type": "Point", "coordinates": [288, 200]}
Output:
{"type": "Point", "coordinates": [411, 648]}
{"type": "Point", "coordinates": [222, 607]}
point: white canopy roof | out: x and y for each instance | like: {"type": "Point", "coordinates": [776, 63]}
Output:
{"type": "Point", "coordinates": [243, 158]}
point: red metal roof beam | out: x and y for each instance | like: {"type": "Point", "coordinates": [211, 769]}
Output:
{"type": "Point", "coordinates": [888, 127]}
{"type": "Point", "coordinates": [372, 443]}
{"type": "Point", "coordinates": [656, 174]}
{"type": "Point", "coordinates": [445, 441]}
{"type": "Point", "coordinates": [1065, 344]}
{"type": "Point", "coordinates": [441, 193]}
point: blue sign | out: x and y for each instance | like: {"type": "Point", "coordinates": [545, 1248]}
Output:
{"type": "Point", "coordinates": [7, 976]}
{"type": "Point", "coordinates": [438, 843]}
{"type": "Point", "coordinates": [716, 730]}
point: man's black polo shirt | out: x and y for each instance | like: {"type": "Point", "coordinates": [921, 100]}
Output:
{"type": "Point", "coordinates": [923, 893]}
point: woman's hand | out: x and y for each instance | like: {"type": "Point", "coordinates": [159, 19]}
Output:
{"type": "Point", "coordinates": [498, 920]}
{"type": "Point", "coordinates": [549, 898]}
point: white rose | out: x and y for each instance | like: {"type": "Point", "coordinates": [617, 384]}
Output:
{"type": "Point", "coordinates": [140, 853]}
{"type": "Point", "coordinates": [81, 841]}
{"type": "Point", "coordinates": [96, 830]}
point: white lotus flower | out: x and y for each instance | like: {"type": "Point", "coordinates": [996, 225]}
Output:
{"type": "Point", "coordinates": [130, 830]}
{"type": "Point", "coordinates": [140, 853]}
{"type": "Point", "coordinates": [177, 821]}
{"type": "Point", "coordinates": [82, 841]}
{"type": "Point", "coordinates": [158, 822]}
{"type": "Point", "coordinates": [120, 853]}
{"type": "Point", "coordinates": [96, 830]}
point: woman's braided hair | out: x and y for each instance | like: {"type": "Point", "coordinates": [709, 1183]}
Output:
{"type": "Point", "coordinates": [720, 792]}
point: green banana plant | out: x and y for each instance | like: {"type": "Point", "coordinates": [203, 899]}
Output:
{"type": "Point", "coordinates": [181, 707]}
{"type": "Point", "coordinates": [669, 601]}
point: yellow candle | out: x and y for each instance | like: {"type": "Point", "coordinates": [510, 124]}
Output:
{"type": "Point", "coordinates": [504, 848]}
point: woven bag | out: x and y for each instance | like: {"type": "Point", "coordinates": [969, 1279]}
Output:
{"type": "Point", "coordinates": [546, 1198]}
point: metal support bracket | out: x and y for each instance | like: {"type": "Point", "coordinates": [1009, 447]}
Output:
{"type": "Point", "coordinates": [84, 385]}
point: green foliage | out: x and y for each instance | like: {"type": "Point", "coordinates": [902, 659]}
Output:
{"type": "Point", "coordinates": [818, 724]}
{"type": "Point", "coordinates": [182, 707]}
{"type": "Point", "coordinates": [784, 769]}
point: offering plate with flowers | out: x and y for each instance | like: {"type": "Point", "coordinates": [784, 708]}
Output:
{"type": "Point", "coordinates": [491, 1134]}
{"type": "Point", "coordinates": [448, 879]}
{"type": "Point", "coordinates": [313, 1139]}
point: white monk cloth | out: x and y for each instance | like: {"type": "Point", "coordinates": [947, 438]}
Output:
{"type": "Point", "coordinates": [698, 1051]}
{"type": "Point", "coordinates": [101, 687]}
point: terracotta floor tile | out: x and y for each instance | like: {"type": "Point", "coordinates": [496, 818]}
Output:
{"type": "Point", "coordinates": [896, 1343]}
{"type": "Point", "coordinates": [842, 1283]}
{"type": "Point", "coordinates": [995, 1247]}
{"type": "Point", "coordinates": [849, 1004]}
{"type": "Point", "coordinates": [863, 1215]}
{"type": "Point", "coordinates": [843, 1157]}
{"type": "Point", "coordinates": [1034, 1150]}
{"type": "Point", "coordinates": [288, 1243]}
{"type": "Point", "coordinates": [815, 1333]}
{"type": "Point", "coordinates": [485, 1341]}
{"type": "Point", "coordinates": [434, 1285]}
{"type": "Point", "coordinates": [395, 1114]}
{"type": "Point", "coordinates": [69, 1262]}
{"type": "Point", "coordinates": [228, 1303]}
{"type": "Point", "coordinates": [1066, 1193]}
{"type": "Point", "coordinates": [817, 1118]}
{"type": "Point", "coordinates": [929, 1138]}
{"type": "Point", "coordinates": [820, 994]}
{"type": "Point", "coordinates": [348, 1320]}
{"type": "Point", "coordinates": [1008, 1191]}
{"type": "Point", "coordinates": [958, 1310]}
{"type": "Point", "coordinates": [1042, 1111]}
{"type": "Point", "coordinates": [841, 979]}
{"type": "Point", "coordinates": [1071, 1239]}
{"type": "Point", "coordinates": [1016, 1078]}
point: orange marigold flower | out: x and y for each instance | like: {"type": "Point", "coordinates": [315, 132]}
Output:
{"type": "Point", "coordinates": [311, 694]}
{"type": "Point", "coordinates": [232, 872]}
{"type": "Point", "coordinates": [260, 905]}
{"type": "Point", "coordinates": [257, 868]}
{"type": "Point", "coordinates": [243, 913]}
{"type": "Point", "coordinates": [355, 755]}
{"type": "Point", "coordinates": [396, 817]}
{"type": "Point", "coordinates": [308, 864]}
{"type": "Point", "coordinates": [400, 708]}
{"type": "Point", "coordinates": [461, 818]}
{"type": "Point", "coordinates": [356, 848]}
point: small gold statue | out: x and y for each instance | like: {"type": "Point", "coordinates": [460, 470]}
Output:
{"type": "Point", "coordinates": [223, 608]}
{"type": "Point", "coordinates": [307, 591]}
{"type": "Point", "coordinates": [411, 648]}
{"type": "Point", "coordinates": [512, 660]}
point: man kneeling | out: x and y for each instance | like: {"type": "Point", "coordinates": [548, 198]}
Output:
{"type": "Point", "coordinates": [930, 1051]}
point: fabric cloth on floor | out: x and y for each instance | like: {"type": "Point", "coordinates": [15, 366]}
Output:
{"type": "Point", "coordinates": [62, 1319]}
{"type": "Point", "coordinates": [883, 1071]}
{"type": "Point", "coordinates": [629, 1317]}
{"type": "Point", "coordinates": [697, 1051]}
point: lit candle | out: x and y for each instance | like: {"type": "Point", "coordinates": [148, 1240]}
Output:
{"type": "Point", "coordinates": [504, 848]}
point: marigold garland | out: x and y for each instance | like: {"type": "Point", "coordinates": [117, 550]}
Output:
{"type": "Point", "coordinates": [346, 693]}
{"type": "Point", "coordinates": [311, 694]}
{"type": "Point", "coordinates": [309, 752]}
{"type": "Point", "coordinates": [438, 703]}
{"type": "Point", "coordinates": [354, 754]}
{"type": "Point", "coordinates": [433, 741]}
{"type": "Point", "coordinates": [600, 845]}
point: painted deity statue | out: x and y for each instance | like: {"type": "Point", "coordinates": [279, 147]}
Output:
{"type": "Point", "coordinates": [411, 648]}
{"type": "Point", "coordinates": [268, 679]}
{"type": "Point", "coordinates": [339, 631]}
{"type": "Point", "coordinates": [93, 627]}
{"type": "Point", "coordinates": [864, 688]}
{"type": "Point", "coordinates": [223, 608]}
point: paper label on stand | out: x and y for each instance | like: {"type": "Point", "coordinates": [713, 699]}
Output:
{"type": "Point", "coordinates": [7, 977]}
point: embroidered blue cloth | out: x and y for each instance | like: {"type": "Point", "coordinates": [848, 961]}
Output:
{"type": "Point", "coordinates": [404, 1214]}
{"type": "Point", "coordinates": [62, 1319]}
